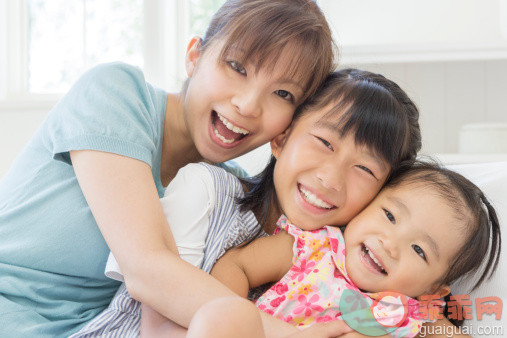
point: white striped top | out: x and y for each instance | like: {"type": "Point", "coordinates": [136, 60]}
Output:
{"type": "Point", "coordinates": [226, 226]}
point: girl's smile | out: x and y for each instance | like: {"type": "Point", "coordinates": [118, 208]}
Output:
{"type": "Point", "coordinates": [312, 201]}
{"type": "Point", "coordinates": [371, 260]}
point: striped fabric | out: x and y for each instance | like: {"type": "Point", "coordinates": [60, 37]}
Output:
{"type": "Point", "coordinates": [229, 227]}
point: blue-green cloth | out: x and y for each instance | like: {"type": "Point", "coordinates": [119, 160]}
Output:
{"type": "Point", "coordinates": [52, 254]}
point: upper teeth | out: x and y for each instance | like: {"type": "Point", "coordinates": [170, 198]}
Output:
{"type": "Point", "coordinates": [232, 127]}
{"type": "Point", "coordinates": [314, 200]}
{"type": "Point", "coordinates": [373, 258]}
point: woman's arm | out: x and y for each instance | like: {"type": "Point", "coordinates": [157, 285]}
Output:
{"type": "Point", "coordinates": [266, 259]}
{"type": "Point", "coordinates": [239, 269]}
{"type": "Point", "coordinates": [154, 325]}
{"type": "Point", "coordinates": [124, 201]}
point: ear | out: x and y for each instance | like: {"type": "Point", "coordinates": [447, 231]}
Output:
{"type": "Point", "coordinates": [442, 291]}
{"type": "Point", "coordinates": [192, 55]}
{"type": "Point", "coordinates": [278, 141]}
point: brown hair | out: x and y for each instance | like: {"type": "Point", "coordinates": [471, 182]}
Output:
{"type": "Point", "coordinates": [262, 29]}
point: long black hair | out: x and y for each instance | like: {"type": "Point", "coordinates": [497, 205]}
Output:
{"type": "Point", "coordinates": [374, 108]}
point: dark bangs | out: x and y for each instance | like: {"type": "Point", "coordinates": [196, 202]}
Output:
{"type": "Point", "coordinates": [261, 32]}
{"type": "Point", "coordinates": [375, 119]}
{"type": "Point", "coordinates": [376, 110]}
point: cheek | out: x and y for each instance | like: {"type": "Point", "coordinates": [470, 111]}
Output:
{"type": "Point", "coordinates": [357, 200]}
{"type": "Point", "coordinates": [363, 192]}
{"type": "Point", "coordinates": [275, 121]}
{"type": "Point", "coordinates": [211, 74]}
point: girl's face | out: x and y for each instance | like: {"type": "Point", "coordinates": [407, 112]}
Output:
{"type": "Point", "coordinates": [403, 241]}
{"type": "Point", "coordinates": [320, 177]}
{"type": "Point", "coordinates": [232, 108]}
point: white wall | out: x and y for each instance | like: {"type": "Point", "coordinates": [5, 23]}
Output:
{"type": "Point", "coordinates": [450, 94]}
{"type": "Point", "coordinates": [16, 128]}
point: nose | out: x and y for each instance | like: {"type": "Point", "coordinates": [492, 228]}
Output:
{"type": "Point", "coordinates": [333, 181]}
{"type": "Point", "coordinates": [331, 177]}
{"type": "Point", "coordinates": [389, 243]}
{"type": "Point", "coordinates": [247, 102]}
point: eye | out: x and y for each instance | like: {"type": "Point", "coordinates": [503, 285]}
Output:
{"type": "Point", "coordinates": [419, 251]}
{"type": "Point", "coordinates": [362, 167]}
{"type": "Point", "coordinates": [325, 143]}
{"type": "Point", "coordinates": [285, 95]}
{"type": "Point", "coordinates": [389, 216]}
{"type": "Point", "coordinates": [237, 67]}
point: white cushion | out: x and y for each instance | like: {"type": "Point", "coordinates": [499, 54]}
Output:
{"type": "Point", "coordinates": [492, 179]}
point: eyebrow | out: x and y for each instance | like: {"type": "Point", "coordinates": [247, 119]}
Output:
{"type": "Point", "coordinates": [334, 127]}
{"type": "Point", "coordinates": [427, 238]}
{"type": "Point", "coordinates": [399, 203]}
{"type": "Point", "coordinates": [234, 50]}
{"type": "Point", "coordinates": [290, 81]}
{"type": "Point", "coordinates": [432, 244]}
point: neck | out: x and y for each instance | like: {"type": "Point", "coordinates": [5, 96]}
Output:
{"type": "Point", "coordinates": [274, 213]}
{"type": "Point", "coordinates": [178, 148]}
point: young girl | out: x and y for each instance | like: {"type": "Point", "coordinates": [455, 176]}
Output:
{"type": "Point", "coordinates": [338, 153]}
{"type": "Point", "coordinates": [90, 179]}
{"type": "Point", "coordinates": [428, 227]}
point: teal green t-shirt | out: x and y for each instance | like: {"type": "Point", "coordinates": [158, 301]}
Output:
{"type": "Point", "coordinates": [52, 254]}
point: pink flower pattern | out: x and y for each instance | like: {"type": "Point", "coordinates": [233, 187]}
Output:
{"type": "Point", "coordinates": [281, 288]}
{"type": "Point", "coordinates": [308, 305]}
{"type": "Point", "coordinates": [302, 269]}
{"type": "Point", "coordinates": [276, 302]}
{"type": "Point", "coordinates": [310, 267]}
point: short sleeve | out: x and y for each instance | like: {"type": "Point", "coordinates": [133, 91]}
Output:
{"type": "Point", "coordinates": [110, 108]}
{"type": "Point", "coordinates": [187, 203]}
{"type": "Point", "coordinates": [234, 168]}
{"type": "Point", "coordinates": [299, 236]}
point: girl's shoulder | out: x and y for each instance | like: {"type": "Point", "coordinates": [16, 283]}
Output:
{"type": "Point", "coordinates": [216, 184]}
{"type": "Point", "coordinates": [321, 233]}
{"type": "Point", "coordinates": [226, 185]}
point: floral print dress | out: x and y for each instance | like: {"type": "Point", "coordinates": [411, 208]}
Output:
{"type": "Point", "coordinates": [310, 292]}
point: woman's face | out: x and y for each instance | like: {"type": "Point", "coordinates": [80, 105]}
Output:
{"type": "Point", "coordinates": [231, 108]}
{"type": "Point", "coordinates": [322, 178]}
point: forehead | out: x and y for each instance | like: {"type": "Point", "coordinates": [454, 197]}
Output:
{"type": "Point", "coordinates": [428, 214]}
{"type": "Point", "coordinates": [332, 118]}
{"type": "Point", "coordinates": [289, 61]}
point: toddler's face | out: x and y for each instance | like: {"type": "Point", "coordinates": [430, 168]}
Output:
{"type": "Point", "coordinates": [322, 178]}
{"type": "Point", "coordinates": [403, 241]}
